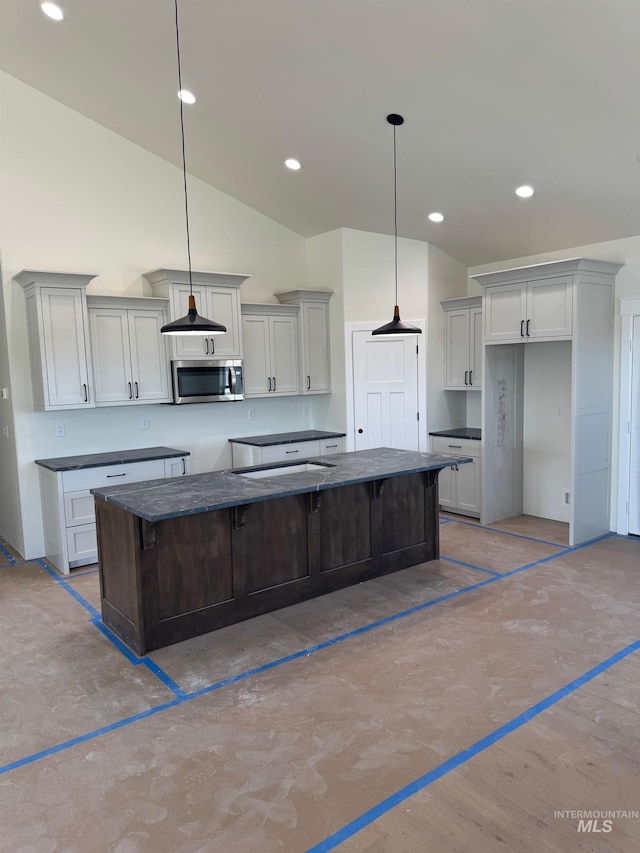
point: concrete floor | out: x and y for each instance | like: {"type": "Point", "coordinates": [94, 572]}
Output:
{"type": "Point", "coordinates": [476, 703]}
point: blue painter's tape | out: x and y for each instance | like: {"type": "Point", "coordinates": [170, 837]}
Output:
{"type": "Point", "coordinates": [12, 560]}
{"type": "Point", "coordinates": [441, 770]}
{"type": "Point", "coordinates": [470, 566]}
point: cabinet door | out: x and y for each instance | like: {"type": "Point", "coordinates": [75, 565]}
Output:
{"type": "Point", "coordinates": [149, 357]}
{"type": "Point", "coordinates": [176, 467]}
{"type": "Point", "coordinates": [65, 349]}
{"type": "Point", "coordinates": [223, 306]}
{"type": "Point", "coordinates": [188, 346]}
{"type": "Point", "coordinates": [550, 308]}
{"type": "Point", "coordinates": [283, 334]}
{"type": "Point", "coordinates": [469, 486]}
{"type": "Point", "coordinates": [475, 347]}
{"type": "Point", "coordinates": [316, 363]}
{"type": "Point", "coordinates": [111, 360]}
{"type": "Point", "coordinates": [457, 357]}
{"type": "Point", "coordinates": [447, 488]}
{"type": "Point", "coordinates": [504, 312]}
{"type": "Point", "coordinates": [257, 358]}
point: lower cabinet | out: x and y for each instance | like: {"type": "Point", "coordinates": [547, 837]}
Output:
{"type": "Point", "coordinates": [246, 455]}
{"type": "Point", "coordinates": [68, 505]}
{"type": "Point", "coordinates": [460, 488]}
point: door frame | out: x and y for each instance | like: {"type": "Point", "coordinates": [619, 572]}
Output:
{"type": "Point", "coordinates": [349, 329]}
{"type": "Point", "coordinates": [629, 309]}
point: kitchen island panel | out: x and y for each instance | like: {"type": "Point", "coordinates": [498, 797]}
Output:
{"type": "Point", "coordinates": [344, 527]}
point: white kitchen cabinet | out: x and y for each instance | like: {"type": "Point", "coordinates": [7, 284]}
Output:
{"type": "Point", "coordinates": [314, 341]}
{"type": "Point", "coordinates": [529, 310]}
{"type": "Point", "coordinates": [58, 333]}
{"type": "Point", "coordinates": [462, 343]}
{"type": "Point", "coordinates": [130, 356]}
{"type": "Point", "coordinates": [217, 298]}
{"type": "Point", "coordinates": [247, 455]}
{"type": "Point", "coordinates": [571, 301]}
{"type": "Point", "coordinates": [270, 339]}
{"type": "Point", "coordinates": [460, 488]}
{"type": "Point", "coordinates": [68, 505]}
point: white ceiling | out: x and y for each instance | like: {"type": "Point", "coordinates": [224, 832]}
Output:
{"type": "Point", "coordinates": [495, 93]}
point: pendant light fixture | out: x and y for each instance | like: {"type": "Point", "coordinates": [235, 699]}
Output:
{"type": "Point", "coordinates": [396, 326]}
{"type": "Point", "coordinates": [192, 323]}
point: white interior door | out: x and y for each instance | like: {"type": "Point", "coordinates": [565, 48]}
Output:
{"type": "Point", "coordinates": [634, 460]}
{"type": "Point", "coordinates": [385, 394]}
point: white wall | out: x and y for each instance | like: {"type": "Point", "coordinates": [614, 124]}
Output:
{"type": "Point", "coordinates": [79, 198]}
{"type": "Point", "coordinates": [626, 251]}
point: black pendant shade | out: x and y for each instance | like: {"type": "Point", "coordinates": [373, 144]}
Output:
{"type": "Point", "coordinates": [396, 326]}
{"type": "Point", "coordinates": [192, 323]}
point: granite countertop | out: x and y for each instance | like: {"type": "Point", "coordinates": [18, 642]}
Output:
{"type": "Point", "coordinates": [113, 457]}
{"type": "Point", "coordinates": [155, 500]}
{"type": "Point", "coordinates": [461, 432]}
{"type": "Point", "coordinates": [286, 437]}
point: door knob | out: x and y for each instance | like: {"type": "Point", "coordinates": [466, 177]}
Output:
{"type": "Point", "coordinates": [360, 430]}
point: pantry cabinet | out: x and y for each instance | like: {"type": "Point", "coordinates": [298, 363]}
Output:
{"type": "Point", "coordinates": [58, 334]}
{"type": "Point", "coordinates": [217, 298]}
{"type": "Point", "coordinates": [462, 343]}
{"type": "Point", "coordinates": [130, 356]}
{"type": "Point", "coordinates": [313, 338]}
{"type": "Point", "coordinates": [270, 338]}
{"type": "Point", "coordinates": [460, 487]}
{"type": "Point", "coordinates": [529, 310]}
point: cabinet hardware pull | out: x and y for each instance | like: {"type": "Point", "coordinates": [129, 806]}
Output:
{"type": "Point", "coordinates": [528, 321]}
{"type": "Point", "coordinates": [330, 446]}
{"type": "Point", "coordinates": [86, 395]}
{"type": "Point", "coordinates": [522, 328]}
{"type": "Point", "coordinates": [471, 377]}
{"type": "Point", "coordinates": [308, 383]}
{"type": "Point", "coordinates": [292, 451]}
{"type": "Point", "coordinates": [213, 347]}
{"type": "Point", "coordinates": [269, 378]}
{"type": "Point", "coordinates": [184, 466]}
{"type": "Point", "coordinates": [455, 445]}
{"type": "Point", "coordinates": [116, 475]}
{"type": "Point", "coordinates": [136, 387]}
{"type": "Point", "coordinates": [466, 373]}
{"type": "Point", "coordinates": [130, 391]}
{"type": "Point", "coordinates": [206, 346]}
{"type": "Point", "coordinates": [274, 383]}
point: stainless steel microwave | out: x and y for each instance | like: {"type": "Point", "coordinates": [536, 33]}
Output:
{"type": "Point", "coordinates": [207, 381]}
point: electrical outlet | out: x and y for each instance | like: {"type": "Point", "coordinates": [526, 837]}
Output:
{"type": "Point", "coordinates": [305, 409]}
{"type": "Point", "coordinates": [144, 423]}
{"type": "Point", "coordinates": [560, 410]}
{"type": "Point", "coordinates": [4, 393]}
{"type": "Point", "coordinates": [251, 414]}
{"type": "Point", "coordinates": [5, 430]}
{"type": "Point", "coordinates": [59, 430]}
{"type": "Point", "coordinates": [566, 497]}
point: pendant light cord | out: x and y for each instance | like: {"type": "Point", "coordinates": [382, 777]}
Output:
{"type": "Point", "coordinates": [184, 157]}
{"type": "Point", "coordinates": [395, 209]}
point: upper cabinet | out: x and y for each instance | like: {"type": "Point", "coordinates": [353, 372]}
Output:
{"type": "Point", "coordinates": [270, 334]}
{"type": "Point", "coordinates": [217, 298]}
{"type": "Point", "coordinates": [130, 356]}
{"type": "Point", "coordinates": [463, 343]}
{"type": "Point", "coordinates": [59, 349]}
{"type": "Point", "coordinates": [529, 309]}
{"type": "Point", "coordinates": [313, 338]}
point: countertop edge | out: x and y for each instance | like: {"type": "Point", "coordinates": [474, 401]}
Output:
{"type": "Point", "coordinates": [57, 464]}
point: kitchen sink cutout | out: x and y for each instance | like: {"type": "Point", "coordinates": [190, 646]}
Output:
{"type": "Point", "coordinates": [278, 470]}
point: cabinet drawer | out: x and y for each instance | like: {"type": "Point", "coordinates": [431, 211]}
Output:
{"type": "Point", "coordinates": [111, 475]}
{"type": "Point", "coordinates": [78, 508]}
{"type": "Point", "coordinates": [331, 445]}
{"type": "Point", "coordinates": [82, 544]}
{"type": "Point", "coordinates": [286, 452]}
{"type": "Point", "coordinates": [456, 446]}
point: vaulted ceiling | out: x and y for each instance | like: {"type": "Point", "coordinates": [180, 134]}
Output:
{"type": "Point", "coordinates": [495, 93]}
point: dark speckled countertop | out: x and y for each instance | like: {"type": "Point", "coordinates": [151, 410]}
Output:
{"type": "Point", "coordinates": [286, 437]}
{"type": "Point", "coordinates": [155, 500]}
{"type": "Point", "coordinates": [113, 457]}
{"type": "Point", "coordinates": [461, 432]}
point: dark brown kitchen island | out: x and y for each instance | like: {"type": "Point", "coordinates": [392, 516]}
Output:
{"type": "Point", "coordinates": [182, 557]}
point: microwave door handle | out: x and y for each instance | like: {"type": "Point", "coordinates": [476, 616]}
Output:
{"type": "Point", "coordinates": [232, 380]}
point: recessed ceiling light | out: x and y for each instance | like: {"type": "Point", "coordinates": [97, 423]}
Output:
{"type": "Point", "coordinates": [52, 11]}
{"type": "Point", "coordinates": [525, 191]}
{"type": "Point", "coordinates": [186, 96]}
{"type": "Point", "coordinates": [436, 217]}
{"type": "Point", "coordinates": [292, 164]}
